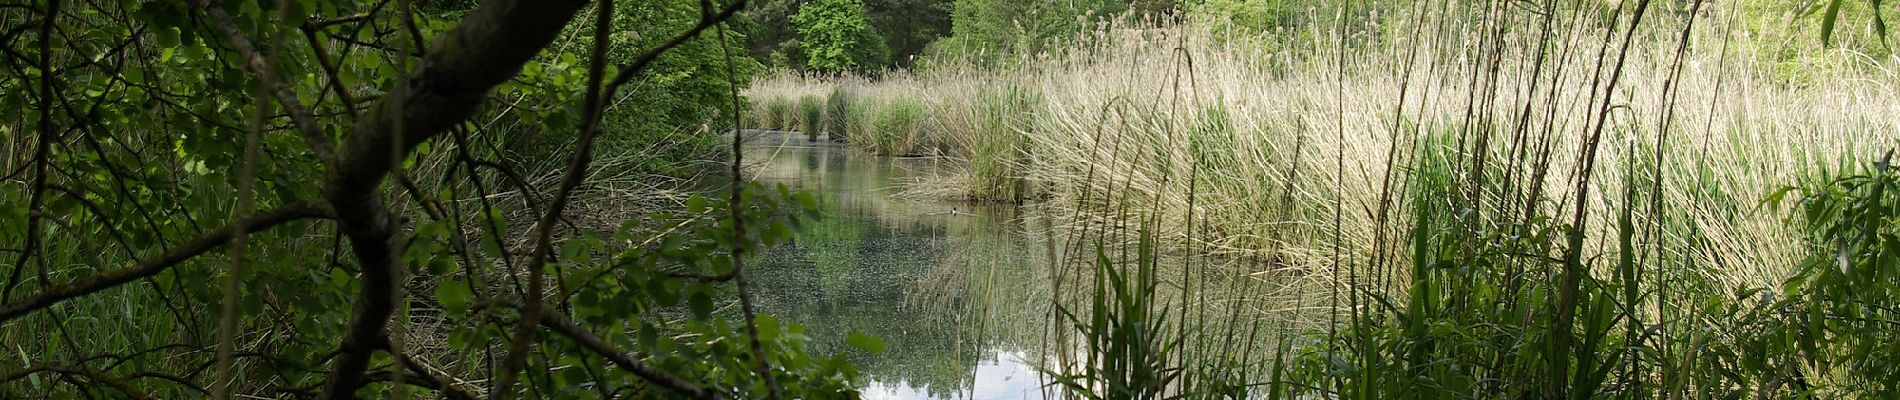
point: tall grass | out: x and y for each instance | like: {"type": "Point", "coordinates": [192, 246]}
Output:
{"type": "Point", "coordinates": [900, 127]}
{"type": "Point", "coordinates": [811, 114]}
{"type": "Point", "coordinates": [1541, 200]}
{"type": "Point", "coordinates": [837, 111]}
{"type": "Point", "coordinates": [778, 115]}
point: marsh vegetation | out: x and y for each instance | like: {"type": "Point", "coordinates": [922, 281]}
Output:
{"type": "Point", "coordinates": [1094, 199]}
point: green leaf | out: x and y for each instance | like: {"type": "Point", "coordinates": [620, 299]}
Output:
{"type": "Point", "coordinates": [696, 205]}
{"type": "Point", "coordinates": [701, 304]}
{"type": "Point", "coordinates": [1828, 18]}
{"type": "Point", "coordinates": [453, 294]}
{"type": "Point", "coordinates": [441, 264]}
{"type": "Point", "coordinates": [768, 328]}
{"type": "Point", "coordinates": [167, 37]}
{"type": "Point", "coordinates": [865, 342]}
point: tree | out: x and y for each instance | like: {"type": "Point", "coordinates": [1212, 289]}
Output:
{"type": "Point", "coordinates": [998, 27]}
{"type": "Point", "coordinates": [835, 36]}
{"type": "Point", "coordinates": [346, 160]}
{"type": "Point", "coordinates": [909, 26]}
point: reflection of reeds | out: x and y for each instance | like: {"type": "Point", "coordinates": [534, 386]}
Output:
{"type": "Point", "coordinates": [1239, 114]}
{"type": "Point", "coordinates": [1443, 162]}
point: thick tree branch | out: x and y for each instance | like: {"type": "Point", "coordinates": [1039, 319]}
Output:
{"type": "Point", "coordinates": [488, 48]}
{"type": "Point", "coordinates": [203, 244]}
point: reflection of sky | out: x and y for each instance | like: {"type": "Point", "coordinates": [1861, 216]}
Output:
{"type": "Point", "coordinates": [858, 268]}
{"type": "Point", "coordinates": [1003, 375]}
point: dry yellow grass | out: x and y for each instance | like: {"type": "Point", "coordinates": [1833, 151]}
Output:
{"type": "Point", "coordinates": [1159, 119]}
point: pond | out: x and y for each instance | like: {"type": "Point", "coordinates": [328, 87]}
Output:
{"type": "Point", "coordinates": [960, 298]}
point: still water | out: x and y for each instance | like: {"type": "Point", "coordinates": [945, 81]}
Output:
{"type": "Point", "coordinates": [959, 298]}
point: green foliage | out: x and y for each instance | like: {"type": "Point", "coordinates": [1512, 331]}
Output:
{"type": "Point", "coordinates": [641, 287]}
{"type": "Point", "coordinates": [836, 36]}
{"type": "Point", "coordinates": [147, 115]}
{"type": "Point", "coordinates": [685, 99]}
{"type": "Point", "coordinates": [778, 114]}
{"type": "Point", "coordinates": [909, 26]}
{"type": "Point", "coordinates": [811, 115]}
{"type": "Point", "coordinates": [1130, 353]}
{"type": "Point", "coordinates": [906, 27]}
{"type": "Point", "coordinates": [990, 30]}
{"type": "Point", "coordinates": [1251, 16]}
{"type": "Point", "coordinates": [770, 36]}
{"type": "Point", "coordinates": [837, 110]}
{"type": "Point", "coordinates": [900, 127]}
{"type": "Point", "coordinates": [1831, 15]}
{"type": "Point", "coordinates": [1848, 293]}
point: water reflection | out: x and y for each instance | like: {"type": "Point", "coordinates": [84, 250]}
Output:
{"type": "Point", "coordinates": [959, 299]}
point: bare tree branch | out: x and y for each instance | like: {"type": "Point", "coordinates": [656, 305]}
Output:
{"type": "Point", "coordinates": [560, 324]}
{"type": "Point", "coordinates": [203, 244]}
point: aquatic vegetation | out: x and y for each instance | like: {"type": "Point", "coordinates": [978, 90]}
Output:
{"type": "Point", "coordinates": [778, 115]}
{"type": "Point", "coordinates": [811, 114]}
{"type": "Point", "coordinates": [837, 112]}
{"type": "Point", "coordinates": [1575, 209]}
{"type": "Point", "coordinates": [900, 127]}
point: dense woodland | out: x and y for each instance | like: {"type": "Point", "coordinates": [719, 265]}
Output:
{"type": "Point", "coordinates": [1634, 199]}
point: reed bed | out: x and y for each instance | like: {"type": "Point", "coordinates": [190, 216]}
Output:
{"type": "Point", "coordinates": [1135, 114]}
{"type": "Point", "coordinates": [1501, 202]}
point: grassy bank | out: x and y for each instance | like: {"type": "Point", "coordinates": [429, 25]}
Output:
{"type": "Point", "coordinates": [1138, 116]}
{"type": "Point", "coordinates": [1506, 202]}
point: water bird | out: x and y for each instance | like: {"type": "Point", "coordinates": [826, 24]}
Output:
{"type": "Point", "coordinates": [951, 212]}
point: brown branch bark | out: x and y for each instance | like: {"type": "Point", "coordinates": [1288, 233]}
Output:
{"type": "Point", "coordinates": [489, 47]}
{"type": "Point", "coordinates": [203, 244]}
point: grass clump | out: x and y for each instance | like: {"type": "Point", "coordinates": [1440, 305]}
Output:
{"type": "Point", "coordinates": [811, 114]}
{"type": "Point", "coordinates": [900, 127]}
{"type": "Point", "coordinates": [1123, 330]}
{"type": "Point", "coordinates": [861, 123]}
{"type": "Point", "coordinates": [837, 112]}
{"type": "Point", "coordinates": [778, 114]}
{"type": "Point", "coordinates": [996, 145]}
